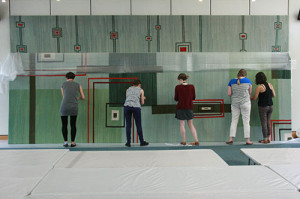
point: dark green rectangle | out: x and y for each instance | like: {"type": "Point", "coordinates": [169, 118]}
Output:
{"type": "Point", "coordinates": [117, 92]}
{"type": "Point", "coordinates": [171, 109]}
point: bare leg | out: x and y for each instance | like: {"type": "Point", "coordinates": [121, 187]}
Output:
{"type": "Point", "coordinates": [193, 130]}
{"type": "Point", "coordinates": [182, 130]}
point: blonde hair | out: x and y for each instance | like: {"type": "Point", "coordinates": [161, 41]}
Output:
{"type": "Point", "coordinates": [241, 73]}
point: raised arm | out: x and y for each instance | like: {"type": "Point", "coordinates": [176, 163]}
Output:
{"type": "Point", "coordinates": [257, 91]}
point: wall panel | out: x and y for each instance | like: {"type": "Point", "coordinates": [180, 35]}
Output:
{"type": "Point", "coordinates": [111, 7]}
{"type": "Point", "coordinates": [229, 7]}
{"type": "Point", "coordinates": [29, 7]}
{"type": "Point", "coordinates": [269, 7]}
{"type": "Point", "coordinates": [70, 7]}
{"type": "Point", "coordinates": [190, 7]}
{"type": "Point", "coordinates": [153, 7]}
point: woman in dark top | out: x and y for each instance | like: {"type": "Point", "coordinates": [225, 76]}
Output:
{"type": "Point", "coordinates": [69, 106]}
{"type": "Point", "coordinates": [264, 92]}
{"type": "Point", "coordinates": [185, 94]}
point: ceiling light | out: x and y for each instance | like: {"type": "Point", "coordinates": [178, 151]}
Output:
{"type": "Point", "coordinates": [200, 0]}
{"type": "Point", "coordinates": [3, 1]}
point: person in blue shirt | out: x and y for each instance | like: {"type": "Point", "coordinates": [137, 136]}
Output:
{"type": "Point", "coordinates": [240, 90]}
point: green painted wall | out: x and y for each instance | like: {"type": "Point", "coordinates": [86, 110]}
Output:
{"type": "Point", "coordinates": [18, 117]}
{"type": "Point", "coordinates": [206, 33]}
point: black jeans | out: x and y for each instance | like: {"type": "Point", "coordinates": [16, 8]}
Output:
{"type": "Point", "coordinates": [64, 120]}
{"type": "Point", "coordinates": [136, 112]}
{"type": "Point", "coordinates": [265, 114]}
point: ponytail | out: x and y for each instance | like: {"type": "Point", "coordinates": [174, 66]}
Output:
{"type": "Point", "coordinates": [241, 73]}
{"type": "Point", "coordinates": [238, 81]}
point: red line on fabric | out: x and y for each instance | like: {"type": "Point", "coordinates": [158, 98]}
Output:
{"type": "Point", "coordinates": [118, 78]}
{"type": "Point", "coordinates": [273, 127]}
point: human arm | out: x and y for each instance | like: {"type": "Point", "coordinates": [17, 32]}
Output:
{"type": "Point", "coordinates": [81, 93]}
{"type": "Point", "coordinates": [273, 90]}
{"type": "Point", "coordinates": [176, 94]}
{"type": "Point", "coordinates": [62, 92]}
{"type": "Point", "coordinates": [229, 91]}
{"type": "Point", "coordinates": [194, 93]}
{"type": "Point", "coordinates": [257, 91]}
{"type": "Point", "coordinates": [142, 97]}
{"type": "Point", "coordinates": [250, 91]}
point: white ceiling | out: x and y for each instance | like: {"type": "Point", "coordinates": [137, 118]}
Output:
{"type": "Point", "coordinates": [148, 7]}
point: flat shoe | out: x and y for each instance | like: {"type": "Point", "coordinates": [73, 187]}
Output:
{"type": "Point", "coordinates": [144, 143]}
{"type": "Point", "coordinates": [249, 143]}
{"type": "Point", "coordinates": [229, 142]}
{"type": "Point", "coordinates": [194, 143]}
{"type": "Point", "coordinates": [263, 141]}
{"type": "Point", "coordinates": [128, 145]}
{"type": "Point", "coordinates": [73, 145]}
{"type": "Point", "coordinates": [183, 143]}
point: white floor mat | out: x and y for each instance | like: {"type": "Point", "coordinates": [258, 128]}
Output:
{"type": "Point", "coordinates": [272, 156]}
{"type": "Point", "coordinates": [153, 158]}
{"type": "Point", "coordinates": [212, 195]}
{"type": "Point", "coordinates": [290, 172]}
{"type": "Point", "coordinates": [153, 182]}
{"type": "Point", "coordinates": [21, 170]}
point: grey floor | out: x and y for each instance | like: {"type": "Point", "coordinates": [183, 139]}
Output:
{"type": "Point", "coordinates": [229, 153]}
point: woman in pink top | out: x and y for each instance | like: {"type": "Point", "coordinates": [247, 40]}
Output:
{"type": "Point", "coordinates": [185, 94]}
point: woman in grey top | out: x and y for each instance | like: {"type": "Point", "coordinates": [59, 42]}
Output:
{"type": "Point", "coordinates": [240, 90]}
{"type": "Point", "coordinates": [69, 106]}
{"type": "Point", "coordinates": [134, 98]}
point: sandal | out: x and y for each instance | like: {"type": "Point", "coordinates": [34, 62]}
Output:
{"type": "Point", "coordinates": [195, 143]}
{"type": "Point", "coordinates": [263, 141]}
{"type": "Point", "coordinates": [73, 145]}
{"type": "Point", "coordinates": [249, 143]}
{"type": "Point", "coordinates": [229, 142]}
{"type": "Point", "coordinates": [183, 143]}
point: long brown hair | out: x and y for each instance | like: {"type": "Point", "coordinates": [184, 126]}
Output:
{"type": "Point", "coordinates": [241, 73]}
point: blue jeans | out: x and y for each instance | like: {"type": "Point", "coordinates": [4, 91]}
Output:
{"type": "Point", "coordinates": [136, 112]}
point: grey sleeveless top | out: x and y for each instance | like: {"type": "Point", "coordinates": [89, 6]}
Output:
{"type": "Point", "coordinates": [69, 104]}
{"type": "Point", "coordinates": [133, 97]}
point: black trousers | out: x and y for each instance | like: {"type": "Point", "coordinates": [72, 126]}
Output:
{"type": "Point", "coordinates": [64, 121]}
{"type": "Point", "coordinates": [136, 112]}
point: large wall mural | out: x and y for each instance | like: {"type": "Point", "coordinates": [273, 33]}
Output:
{"type": "Point", "coordinates": [106, 52]}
